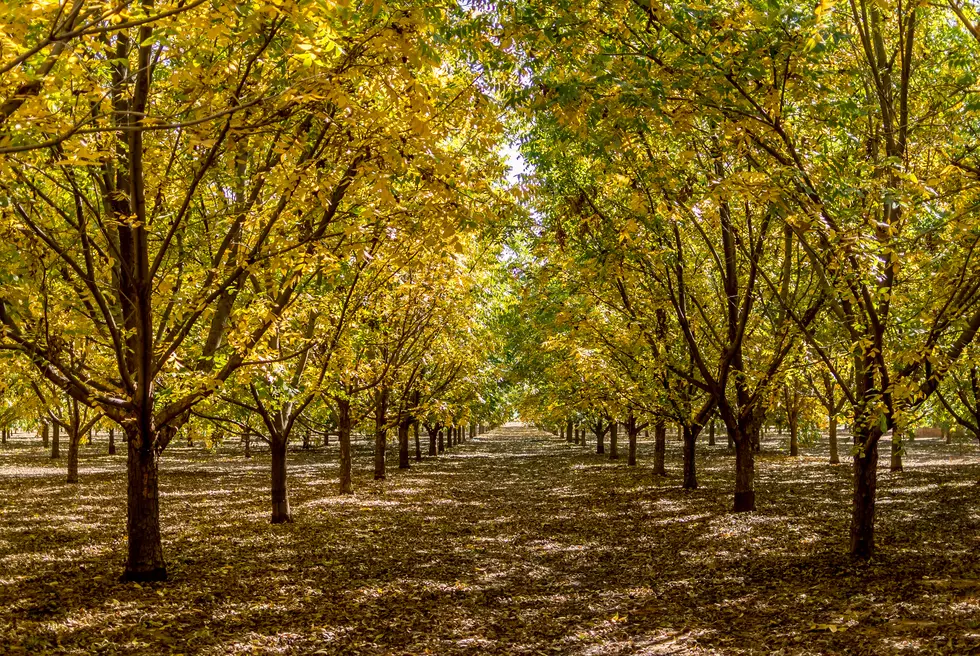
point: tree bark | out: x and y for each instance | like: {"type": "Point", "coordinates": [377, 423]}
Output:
{"type": "Point", "coordinates": [45, 430]}
{"type": "Point", "coordinates": [832, 430]}
{"type": "Point", "coordinates": [144, 561]}
{"type": "Point", "coordinates": [660, 449]}
{"type": "Point", "coordinates": [614, 441]}
{"type": "Point", "coordinates": [74, 438]}
{"type": "Point", "coordinates": [689, 436]}
{"type": "Point", "coordinates": [794, 434]}
{"type": "Point", "coordinates": [112, 441]}
{"type": "Point", "coordinates": [418, 442]}
{"type": "Point", "coordinates": [568, 431]}
{"type": "Point", "coordinates": [403, 427]}
{"type": "Point", "coordinates": [380, 434]}
{"type": "Point", "coordinates": [711, 433]}
{"type": "Point", "coordinates": [442, 440]}
{"type": "Point", "coordinates": [863, 509]}
{"type": "Point", "coordinates": [600, 439]}
{"type": "Point", "coordinates": [343, 437]}
{"type": "Point", "coordinates": [744, 474]}
{"type": "Point", "coordinates": [577, 438]}
{"type": "Point", "coordinates": [433, 433]}
{"type": "Point", "coordinates": [56, 442]}
{"type": "Point", "coordinates": [632, 431]}
{"type": "Point", "coordinates": [280, 493]}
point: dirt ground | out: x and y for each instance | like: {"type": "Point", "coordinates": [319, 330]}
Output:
{"type": "Point", "coordinates": [515, 543]}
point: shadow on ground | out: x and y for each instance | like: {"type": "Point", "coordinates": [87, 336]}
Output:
{"type": "Point", "coordinates": [514, 543]}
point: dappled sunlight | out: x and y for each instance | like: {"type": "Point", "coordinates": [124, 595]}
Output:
{"type": "Point", "coordinates": [501, 546]}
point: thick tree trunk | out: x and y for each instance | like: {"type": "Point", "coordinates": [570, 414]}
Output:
{"type": "Point", "coordinates": [863, 508]}
{"type": "Point", "coordinates": [614, 441]}
{"type": "Point", "coordinates": [56, 442]}
{"type": "Point", "coordinates": [731, 441]}
{"type": "Point", "coordinates": [45, 430]}
{"type": "Point", "coordinates": [948, 434]}
{"type": "Point", "coordinates": [112, 441]}
{"type": "Point", "coordinates": [433, 434]}
{"type": "Point", "coordinates": [794, 435]}
{"type": "Point", "coordinates": [577, 438]}
{"type": "Point", "coordinates": [343, 437]}
{"type": "Point", "coordinates": [711, 433]}
{"type": "Point", "coordinates": [660, 449]}
{"type": "Point", "coordinates": [418, 442]}
{"type": "Point", "coordinates": [689, 436]}
{"type": "Point", "coordinates": [832, 430]}
{"type": "Point", "coordinates": [144, 560]}
{"type": "Point", "coordinates": [600, 439]}
{"type": "Point", "coordinates": [280, 493]}
{"type": "Point", "coordinates": [631, 458]}
{"type": "Point", "coordinates": [74, 438]}
{"type": "Point", "coordinates": [744, 474]}
{"type": "Point", "coordinates": [442, 440]}
{"type": "Point", "coordinates": [403, 427]}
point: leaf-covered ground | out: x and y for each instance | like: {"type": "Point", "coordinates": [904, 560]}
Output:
{"type": "Point", "coordinates": [514, 543]}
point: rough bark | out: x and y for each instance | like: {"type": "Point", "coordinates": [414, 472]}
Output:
{"type": "Point", "coordinates": [74, 438]}
{"type": "Point", "coordinates": [280, 493]}
{"type": "Point", "coordinates": [863, 506]}
{"type": "Point", "coordinates": [144, 561]}
{"type": "Point", "coordinates": [660, 449]}
{"type": "Point", "coordinates": [56, 442]}
{"type": "Point", "coordinates": [403, 427]}
{"type": "Point", "coordinates": [689, 435]}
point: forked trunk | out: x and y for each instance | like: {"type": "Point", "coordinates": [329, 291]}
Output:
{"type": "Point", "coordinates": [614, 441]}
{"type": "Point", "coordinates": [343, 437]}
{"type": "Point", "coordinates": [660, 449]}
{"type": "Point", "coordinates": [863, 508]}
{"type": "Point", "coordinates": [832, 430]}
{"type": "Point", "coordinates": [280, 493]}
{"type": "Point", "coordinates": [144, 560]}
{"type": "Point", "coordinates": [744, 474]}
{"type": "Point", "coordinates": [689, 436]}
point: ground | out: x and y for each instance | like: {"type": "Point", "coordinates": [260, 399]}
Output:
{"type": "Point", "coordinates": [515, 543]}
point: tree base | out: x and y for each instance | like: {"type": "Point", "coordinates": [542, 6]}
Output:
{"type": "Point", "coordinates": [745, 501]}
{"type": "Point", "coordinates": [156, 574]}
{"type": "Point", "coordinates": [282, 519]}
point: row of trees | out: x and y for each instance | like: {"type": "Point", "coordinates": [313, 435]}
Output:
{"type": "Point", "coordinates": [738, 204]}
{"type": "Point", "coordinates": [260, 217]}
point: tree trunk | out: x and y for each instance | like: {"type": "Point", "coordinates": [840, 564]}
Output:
{"type": "Point", "coordinates": [280, 493]}
{"type": "Point", "coordinates": [403, 427]}
{"type": "Point", "coordinates": [948, 434]}
{"type": "Point", "coordinates": [614, 441]}
{"type": "Point", "coordinates": [660, 449]}
{"type": "Point", "coordinates": [600, 439]}
{"type": "Point", "coordinates": [433, 433]}
{"type": "Point", "coordinates": [794, 435]}
{"type": "Point", "coordinates": [568, 431]}
{"type": "Point", "coordinates": [863, 509]}
{"type": "Point", "coordinates": [832, 430]}
{"type": "Point", "coordinates": [418, 443]}
{"type": "Point", "coordinates": [631, 458]}
{"type": "Point", "coordinates": [343, 437]}
{"type": "Point", "coordinates": [689, 436]}
{"type": "Point", "coordinates": [744, 474]}
{"type": "Point", "coordinates": [112, 441]}
{"type": "Point", "coordinates": [380, 434]}
{"type": "Point", "coordinates": [711, 433]}
{"type": "Point", "coordinates": [45, 430]}
{"type": "Point", "coordinates": [56, 442]}
{"type": "Point", "coordinates": [306, 440]}
{"type": "Point", "coordinates": [144, 560]}
{"type": "Point", "coordinates": [190, 438]}
{"type": "Point", "coordinates": [74, 438]}
{"type": "Point", "coordinates": [577, 438]}
{"type": "Point", "coordinates": [442, 440]}
{"type": "Point", "coordinates": [896, 459]}
{"type": "Point", "coordinates": [731, 441]}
